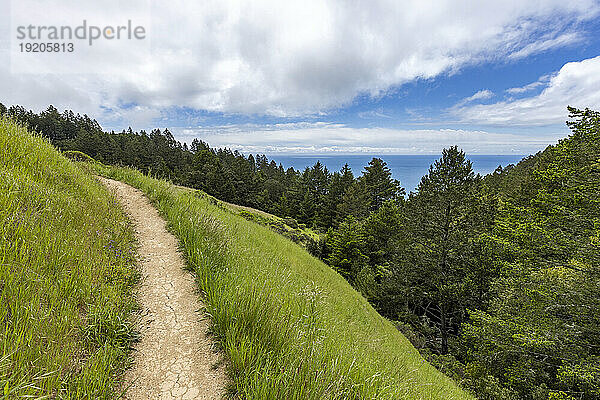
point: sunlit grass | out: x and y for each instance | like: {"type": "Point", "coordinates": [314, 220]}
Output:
{"type": "Point", "coordinates": [66, 273]}
{"type": "Point", "coordinates": [291, 327]}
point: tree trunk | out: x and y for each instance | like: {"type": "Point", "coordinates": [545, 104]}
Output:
{"type": "Point", "coordinates": [444, 330]}
{"type": "Point", "coordinates": [443, 269]}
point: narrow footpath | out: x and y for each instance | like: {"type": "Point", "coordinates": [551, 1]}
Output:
{"type": "Point", "coordinates": [175, 359]}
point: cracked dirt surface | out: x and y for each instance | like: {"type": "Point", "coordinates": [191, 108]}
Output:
{"type": "Point", "coordinates": [174, 358]}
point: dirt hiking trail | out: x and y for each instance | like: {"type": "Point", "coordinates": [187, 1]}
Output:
{"type": "Point", "coordinates": [174, 358]}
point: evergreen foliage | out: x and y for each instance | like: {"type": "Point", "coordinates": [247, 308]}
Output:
{"type": "Point", "coordinates": [541, 333]}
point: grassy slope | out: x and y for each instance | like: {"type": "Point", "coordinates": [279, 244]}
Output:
{"type": "Point", "coordinates": [66, 272]}
{"type": "Point", "coordinates": [276, 223]}
{"type": "Point", "coordinates": [291, 327]}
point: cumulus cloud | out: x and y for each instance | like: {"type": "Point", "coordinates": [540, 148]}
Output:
{"type": "Point", "coordinates": [326, 138]}
{"type": "Point", "coordinates": [290, 58]}
{"type": "Point", "coordinates": [575, 84]}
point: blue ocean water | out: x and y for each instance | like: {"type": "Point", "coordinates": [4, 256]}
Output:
{"type": "Point", "coordinates": [408, 169]}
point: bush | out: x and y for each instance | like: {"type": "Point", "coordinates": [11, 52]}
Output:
{"type": "Point", "coordinates": [291, 222]}
{"type": "Point", "coordinates": [78, 156]}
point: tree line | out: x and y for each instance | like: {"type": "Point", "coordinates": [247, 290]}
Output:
{"type": "Point", "coordinates": [315, 197]}
{"type": "Point", "coordinates": [494, 279]}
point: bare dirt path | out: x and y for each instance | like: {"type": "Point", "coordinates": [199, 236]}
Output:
{"type": "Point", "coordinates": [174, 358]}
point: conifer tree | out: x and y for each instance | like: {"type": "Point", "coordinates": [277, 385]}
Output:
{"type": "Point", "coordinates": [346, 249]}
{"type": "Point", "coordinates": [541, 334]}
{"type": "Point", "coordinates": [441, 225]}
{"type": "Point", "coordinates": [379, 184]}
{"type": "Point", "coordinates": [355, 202]}
{"type": "Point", "coordinates": [339, 184]}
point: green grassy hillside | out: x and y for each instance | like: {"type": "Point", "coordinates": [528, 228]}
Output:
{"type": "Point", "coordinates": [291, 327]}
{"type": "Point", "coordinates": [66, 272]}
{"type": "Point", "coordinates": [288, 227]}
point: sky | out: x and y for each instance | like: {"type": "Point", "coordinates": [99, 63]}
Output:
{"type": "Point", "coordinates": [318, 77]}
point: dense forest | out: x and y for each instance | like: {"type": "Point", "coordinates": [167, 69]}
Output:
{"type": "Point", "coordinates": [495, 279]}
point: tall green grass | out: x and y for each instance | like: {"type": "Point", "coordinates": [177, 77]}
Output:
{"type": "Point", "coordinates": [291, 327]}
{"type": "Point", "coordinates": [66, 274]}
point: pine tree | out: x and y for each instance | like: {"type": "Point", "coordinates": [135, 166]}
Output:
{"type": "Point", "coordinates": [346, 249]}
{"type": "Point", "coordinates": [307, 209]}
{"type": "Point", "coordinates": [379, 184]}
{"type": "Point", "coordinates": [355, 202]}
{"type": "Point", "coordinates": [209, 175]}
{"type": "Point", "coordinates": [338, 185]}
{"type": "Point", "coordinates": [541, 333]}
{"type": "Point", "coordinates": [441, 223]}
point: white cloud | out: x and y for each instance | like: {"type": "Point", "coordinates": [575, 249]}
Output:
{"type": "Point", "coordinates": [294, 57]}
{"type": "Point", "coordinates": [325, 138]}
{"type": "Point", "coordinates": [565, 39]}
{"type": "Point", "coordinates": [137, 117]}
{"type": "Point", "coordinates": [576, 84]}
{"type": "Point", "coordinates": [542, 81]}
{"type": "Point", "coordinates": [480, 95]}
{"type": "Point", "coordinates": [374, 114]}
